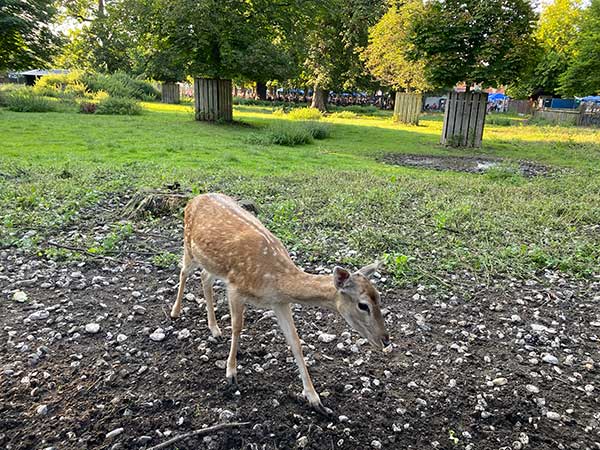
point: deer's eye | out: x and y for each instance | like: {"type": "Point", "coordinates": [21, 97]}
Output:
{"type": "Point", "coordinates": [363, 307]}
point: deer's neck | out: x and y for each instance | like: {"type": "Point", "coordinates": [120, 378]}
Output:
{"type": "Point", "coordinates": [312, 290]}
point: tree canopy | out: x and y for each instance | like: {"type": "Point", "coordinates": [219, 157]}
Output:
{"type": "Point", "coordinates": [473, 41]}
{"type": "Point", "coordinates": [27, 39]}
{"type": "Point", "coordinates": [386, 56]}
{"type": "Point", "coordinates": [582, 77]}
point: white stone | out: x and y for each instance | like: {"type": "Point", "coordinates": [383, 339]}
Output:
{"type": "Point", "coordinates": [553, 415]}
{"type": "Point", "coordinates": [92, 328]}
{"type": "Point", "coordinates": [114, 433]}
{"type": "Point", "coordinates": [184, 334]}
{"type": "Point", "coordinates": [533, 389]}
{"type": "Point", "coordinates": [501, 381]}
{"type": "Point", "coordinates": [39, 315]}
{"type": "Point", "coordinates": [302, 441]}
{"type": "Point", "coordinates": [158, 335]}
{"type": "Point", "coordinates": [20, 296]}
{"type": "Point", "coordinates": [550, 359]}
{"type": "Point", "coordinates": [375, 443]}
{"type": "Point", "coordinates": [121, 338]}
{"type": "Point", "coordinates": [42, 410]}
{"type": "Point", "coordinates": [324, 337]}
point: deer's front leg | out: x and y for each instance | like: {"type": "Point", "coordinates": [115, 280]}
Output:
{"type": "Point", "coordinates": [286, 322]}
{"type": "Point", "coordinates": [236, 308]}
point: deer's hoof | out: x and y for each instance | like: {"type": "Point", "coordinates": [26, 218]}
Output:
{"type": "Point", "coordinates": [324, 411]}
{"type": "Point", "coordinates": [216, 332]}
{"type": "Point", "coordinates": [174, 314]}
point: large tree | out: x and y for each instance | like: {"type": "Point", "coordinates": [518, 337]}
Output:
{"type": "Point", "coordinates": [27, 39]}
{"type": "Point", "coordinates": [338, 28]}
{"type": "Point", "coordinates": [473, 41]}
{"type": "Point", "coordinates": [583, 75]}
{"type": "Point", "coordinates": [555, 37]}
{"type": "Point", "coordinates": [389, 44]}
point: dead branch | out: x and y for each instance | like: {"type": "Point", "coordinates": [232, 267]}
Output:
{"type": "Point", "coordinates": [201, 432]}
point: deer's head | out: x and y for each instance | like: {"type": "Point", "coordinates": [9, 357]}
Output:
{"type": "Point", "coordinates": [359, 304]}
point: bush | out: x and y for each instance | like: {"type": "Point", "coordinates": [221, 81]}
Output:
{"type": "Point", "coordinates": [343, 115]}
{"type": "Point", "coordinates": [283, 133]}
{"type": "Point", "coordinates": [65, 86]}
{"type": "Point", "coordinates": [25, 100]}
{"type": "Point", "coordinates": [88, 107]}
{"type": "Point", "coordinates": [118, 106]}
{"type": "Point", "coordinates": [120, 85]}
{"type": "Point", "coordinates": [291, 133]}
{"type": "Point", "coordinates": [318, 130]}
{"type": "Point", "coordinates": [305, 114]}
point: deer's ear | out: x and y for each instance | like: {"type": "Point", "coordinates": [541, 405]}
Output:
{"type": "Point", "coordinates": [369, 270]}
{"type": "Point", "coordinates": [340, 277]}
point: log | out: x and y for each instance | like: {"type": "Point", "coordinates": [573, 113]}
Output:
{"type": "Point", "coordinates": [213, 100]}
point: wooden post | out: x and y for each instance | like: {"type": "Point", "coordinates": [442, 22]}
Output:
{"type": "Point", "coordinates": [464, 119]}
{"type": "Point", "coordinates": [407, 107]}
{"type": "Point", "coordinates": [213, 100]}
{"type": "Point", "coordinates": [170, 92]}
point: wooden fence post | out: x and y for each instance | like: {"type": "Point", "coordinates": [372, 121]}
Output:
{"type": "Point", "coordinates": [213, 100]}
{"type": "Point", "coordinates": [464, 119]}
{"type": "Point", "coordinates": [170, 92]}
{"type": "Point", "coordinates": [407, 107]}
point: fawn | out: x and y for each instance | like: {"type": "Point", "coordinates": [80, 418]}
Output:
{"type": "Point", "coordinates": [232, 245]}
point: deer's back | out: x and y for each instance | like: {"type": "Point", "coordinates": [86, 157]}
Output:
{"type": "Point", "coordinates": [232, 244]}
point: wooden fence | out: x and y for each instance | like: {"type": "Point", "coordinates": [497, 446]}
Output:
{"type": "Point", "coordinates": [407, 107]}
{"type": "Point", "coordinates": [170, 92]}
{"type": "Point", "coordinates": [464, 119]}
{"type": "Point", "coordinates": [589, 115]}
{"type": "Point", "coordinates": [213, 99]}
{"type": "Point", "coordinates": [520, 106]}
{"type": "Point", "coordinates": [564, 116]}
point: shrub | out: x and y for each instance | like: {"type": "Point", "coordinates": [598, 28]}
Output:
{"type": "Point", "coordinates": [343, 115]}
{"type": "Point", "coordinates": [305, 114]}
{"type": "Point", "coordinates": [283, 133]}
{"type": "Point", "coordinates": [88, 107]}
{"type": "Point", "coordinates": [25, 100]}
{"type": "Point", "coordinates": [120, 85]}
{"type": "Point", "coordinates": [118, 106]}
{"type": "Point", "coordinates": [67, 86]}
{"type": "Point", "coordinates": [318, 130]}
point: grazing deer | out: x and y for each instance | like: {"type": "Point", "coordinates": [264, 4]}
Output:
{"type": "Point", "coordinates": [231, 244]}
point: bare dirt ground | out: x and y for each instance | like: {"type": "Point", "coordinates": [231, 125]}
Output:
{"type": "Point", "coordinates": [468, 164]}
{"type": "Point", "coordinates": [509, 364]}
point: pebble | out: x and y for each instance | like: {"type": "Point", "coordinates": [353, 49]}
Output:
{"type": "Point", "coordinates": [226, 415]}
{"type": "Point", "coordinates": [121, 338]}
{"type": "Point", "coordinates": [499, 381]}
{"type": "Point", "coordinates": [20, 296]}
{"type": "Point", "coordinates": [39, 315]}
{"type": "Point", "coordinates": [324, 337]}
{"type": "Point", "coordinates": [158, 335]}
{"type": "Point", "coordinates": [92, 328]}
{"type": "Point", "coordinates": [302, 441]}
{"type": "Point", "coordinates": [553, 415]}
{"type": "Point", "coordinates": [114, 433]}
{"type": "Point", "coordinates": [343, 418]}
{"type": "Point", "coordinates": [221, 363]}
{"type": "Point", "coordinates": [184, 334]}
{"type": "Point", "coordinates": [375, 443]}
{"type": "Point", "coordinates": [42, 410]}
{"type": "Point", "coordinates": [533, 389]}
{"type": "Point", "coordinates": [550, 359]}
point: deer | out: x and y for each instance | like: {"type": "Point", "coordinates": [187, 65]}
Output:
{"type": "Point", "coordinates": [230, 244]}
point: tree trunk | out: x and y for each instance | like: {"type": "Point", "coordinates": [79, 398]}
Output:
{"type": "Point", "coordinates": [319, 99]}
{"type": "Point", "coordinates": [261, 90]}
{"type": "Point", "coordinates": [213, 100]}
{"type": "Point", "coordinates": [170, 92]}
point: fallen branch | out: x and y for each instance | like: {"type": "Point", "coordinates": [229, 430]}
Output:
{"type": "Point", "coordinates": [200, 432]}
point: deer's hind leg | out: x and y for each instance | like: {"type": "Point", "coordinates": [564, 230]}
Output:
{"type": "Point", "coordinates": [207, 287]}
{"type": "Point", "coordinates": [236, 308]}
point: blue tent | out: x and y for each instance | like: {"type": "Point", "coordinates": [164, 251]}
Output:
{"type": "Point", "coordinates": [591, 98]}
{"type": "Point", "coordinates": [496, 97]}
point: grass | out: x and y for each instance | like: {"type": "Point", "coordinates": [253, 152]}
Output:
{"type": "Point", "coordinates": [331, 200]}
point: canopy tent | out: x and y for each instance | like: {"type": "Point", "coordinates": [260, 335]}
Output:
{"type": "Point", "coordinates": [591, 98]}
{"type": "Point", "coordinates": [497, 96]}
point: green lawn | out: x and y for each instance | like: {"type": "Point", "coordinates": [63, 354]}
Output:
{"type": "Point", "coordinates": [331, 200]}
